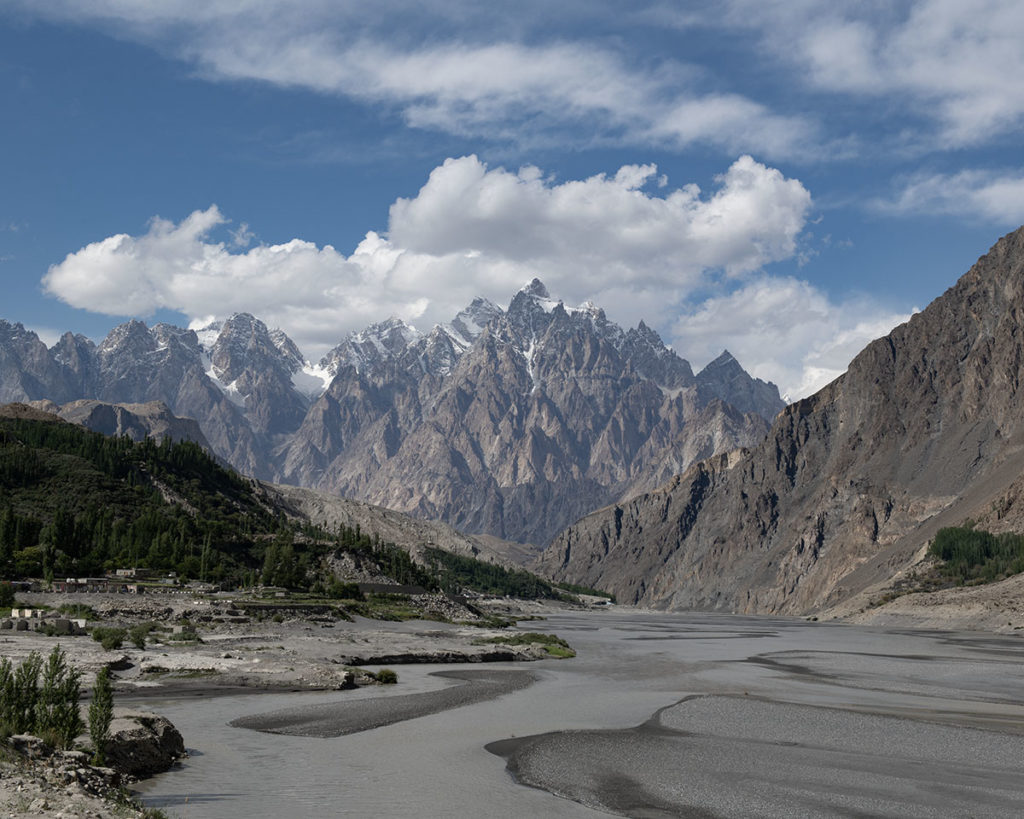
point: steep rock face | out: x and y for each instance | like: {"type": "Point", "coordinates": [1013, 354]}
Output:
{"type": "Point", "coordinates": [258, 368]}
{"type": "Point", "coordinates": [138, 365]}
{"type": "Point", "coordinates": [925, 428]}
{"type": "Point", "coordinates": [237, 380]}
{"type": "Point", "coordinates": [27, 370]}
{"type": "Point", "coordinates": [512, 423]}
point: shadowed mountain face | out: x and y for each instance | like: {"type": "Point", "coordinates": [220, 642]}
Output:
{"type": "Point", "coordinates": [512, 423]}
{"type": "Point", "coordinates": [924, 430]}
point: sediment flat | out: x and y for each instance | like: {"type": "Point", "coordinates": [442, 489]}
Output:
{"type": "Point", "coordinates": [349, 717]}
{"type": "Point", "coordinates": [743, 756]}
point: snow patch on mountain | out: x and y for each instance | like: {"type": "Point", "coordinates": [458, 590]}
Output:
{"type": "Point", "coordinates": [312, 380]}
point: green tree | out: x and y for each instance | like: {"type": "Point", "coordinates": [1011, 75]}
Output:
{"type": "Point", "coordinates": [24, 694]}
{"type": "Point", "coordinates": [57, 716]}
{"type": "Point", "coordinates": [101, 714]}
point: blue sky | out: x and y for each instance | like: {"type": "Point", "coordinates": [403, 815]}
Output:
{"type": "Point", "coordinates": [783, 179]}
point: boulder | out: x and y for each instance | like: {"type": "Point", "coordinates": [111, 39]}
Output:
{"type": "Point", "coordinates": [142, 744]}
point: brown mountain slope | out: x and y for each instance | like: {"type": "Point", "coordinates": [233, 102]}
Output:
{"type": "Point", "coordinates": [413, 535]}
{"type": "Point", "coordinates": [924, 429]}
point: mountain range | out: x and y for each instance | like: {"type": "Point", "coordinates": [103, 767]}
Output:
{"type": "Point", "coordinates": [507, 422]}
{"type": "Point", "coordinates": [924, 430]}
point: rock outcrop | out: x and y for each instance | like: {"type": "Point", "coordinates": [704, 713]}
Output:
{"type": "Point", "coordinates": [925, 429]}
{"type": "Point", "coordinates": [142, 744]}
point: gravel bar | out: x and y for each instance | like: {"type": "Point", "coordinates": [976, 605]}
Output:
{"type": "Point", "coordinates": [338, 718]}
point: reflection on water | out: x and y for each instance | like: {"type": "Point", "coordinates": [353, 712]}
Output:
{"type": "Point", "coordinates": [629, 666]}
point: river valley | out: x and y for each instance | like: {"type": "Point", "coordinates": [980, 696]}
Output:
{"type": "Point", "coordinates": [659, 715]}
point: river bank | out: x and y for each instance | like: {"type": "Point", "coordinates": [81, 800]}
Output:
{"type": "Point", "coordinates": [199, 643]}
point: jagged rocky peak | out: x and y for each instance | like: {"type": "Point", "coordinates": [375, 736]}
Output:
{"type": "Point", "coordinates": [244, 344]}
{"type": "Point", "coordinates": [368, 348]}
{"type": "Point", "coordinates": [726, 379]}
{"type": "Point", "coordinates": [471, 321]}
{"type": "Point", "coordinates": [536, 288]}
{"type": "Point", "coordinates": [288, 348]}
{"type": "Point", "coordinates": [439, 350]}
{"type": "Point", "coordinates": [168, 336]}
{"type": "Point", "coordinates": [15, 332]}
{"type": "Point", "coordinates": [71, 346]}
{"type": "Point", "coordinates": [131, 337]}
{"type": "Point", "coordinates": [650, 357]}
{"type": "Point", "coordinates": [725, 365]}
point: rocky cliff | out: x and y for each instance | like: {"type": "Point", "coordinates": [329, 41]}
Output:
{"type": "Point", "coordinates": [925, 429]}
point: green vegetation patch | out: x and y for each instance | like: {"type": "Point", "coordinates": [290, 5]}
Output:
{"type": "Point", "coordinates": [575, 588]}
{"type": "Point", "coordinates": [458, 573]}
{"type": "Point", "coordinates": [390, 607]}
{"type": "Point", "coordinates": [78, 611]}
{"type": "Point", "coordinates": [386, 676]}
{"type": "Point", "coordinates": [554, 645]}
{"type": "Point", "coordinates": [971, 556]}
{"type": "Point", "coordinates": [109, 637]}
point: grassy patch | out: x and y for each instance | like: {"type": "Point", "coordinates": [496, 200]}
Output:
{"type": "Point", "coordinates": [552, 644]}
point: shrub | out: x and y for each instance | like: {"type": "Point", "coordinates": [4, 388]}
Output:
{"type": "Point", "coordinates": [51, 711]}
{"type": "Point", "coordinates": [109, 638]}
{"type": "Point", "coordinates": [138, 634]}
{"type": "Point", "coordinates": [25, 694]}
{"type": "Point", "coordinates": [386, 676]}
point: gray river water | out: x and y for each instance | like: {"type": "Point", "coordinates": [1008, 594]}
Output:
{"type": "Point", "coordinates": [659, 715]}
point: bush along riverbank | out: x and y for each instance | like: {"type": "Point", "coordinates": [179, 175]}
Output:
{"type": "Point", "coordinates": [56, 762]}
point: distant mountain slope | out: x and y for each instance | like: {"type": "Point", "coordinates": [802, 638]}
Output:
{"type": "Point", "coordinates": [77, 503]}
{"type": "Point", "coordinates": [413, 535]}
{"type": "Point", "coordinates": [926, 428]}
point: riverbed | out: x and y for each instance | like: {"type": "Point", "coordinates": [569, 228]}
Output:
{"type": "Point", "coordinates": [658, 715]}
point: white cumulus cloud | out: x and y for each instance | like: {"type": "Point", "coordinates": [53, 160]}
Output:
{"type": "Point", "coordinates": [628, 240]}
{"type": "Point", "coordinates": [783, 330]}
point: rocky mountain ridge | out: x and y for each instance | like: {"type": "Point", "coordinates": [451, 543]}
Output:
{"type": "Point", "coordinates": [510, 422]}
{"type": "Point", "coordinates": [925, 429]}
